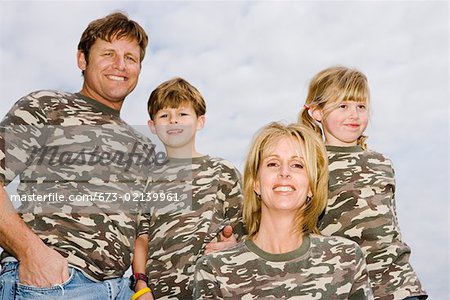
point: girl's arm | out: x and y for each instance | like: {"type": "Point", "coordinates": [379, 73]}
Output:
{"type": "Point", "coordinates": [361, 288]}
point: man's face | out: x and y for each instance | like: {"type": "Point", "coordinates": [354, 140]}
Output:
{"type": "Point", "coordinates": [112, 72]}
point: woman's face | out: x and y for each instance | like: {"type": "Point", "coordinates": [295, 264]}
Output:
{"type": "Point", "coordinates": [282, 181]}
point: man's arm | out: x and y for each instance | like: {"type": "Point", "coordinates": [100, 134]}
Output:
{"type": "Point", "coordinates": [39, 265]}
{"type": "Point", "coordinates": [231, 189]}
{"type": "Point", "coordinates": [226, 240]}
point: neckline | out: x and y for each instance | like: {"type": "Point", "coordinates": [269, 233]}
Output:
{"type": "Point", "coordinates": [192, 160]}
{"type": "Point", "coordinates": [281, 257]}
{"type": "Point", "coordinates": [104, 108]}
{"type": "Point", "coordinates": [344, 149]}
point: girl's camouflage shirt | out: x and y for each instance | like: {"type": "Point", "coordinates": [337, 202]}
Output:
{"type": "Point", "coordinates": [361, 207]}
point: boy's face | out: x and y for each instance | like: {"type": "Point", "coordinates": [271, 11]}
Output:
{"type": "Point", "coordinates": [176, 127]}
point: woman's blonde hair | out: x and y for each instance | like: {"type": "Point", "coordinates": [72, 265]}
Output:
{"type": "Point", "coordinates": [316, 164]}
{"type": "Point", "coordinates": [333, 86]}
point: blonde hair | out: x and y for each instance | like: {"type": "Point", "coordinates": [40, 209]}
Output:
{"type": "Point", "coordinates": [330, 87]}
{"type": "Point", "coordinates": [316, 164]}
{"type": "Point", "coordinates": [173, 93]}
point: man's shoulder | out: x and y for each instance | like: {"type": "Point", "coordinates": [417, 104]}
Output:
{"type": "Point", "coordinates": [50, 96]}
{"type": "Point", "coordinates": [50, 99]}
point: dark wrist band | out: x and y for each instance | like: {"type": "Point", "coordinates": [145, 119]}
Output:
{"type": "Point", "coordinates": [134, 278]}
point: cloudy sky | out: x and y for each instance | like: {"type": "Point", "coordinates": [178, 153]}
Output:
{"type": "Point", "coordinates": [252, 61]}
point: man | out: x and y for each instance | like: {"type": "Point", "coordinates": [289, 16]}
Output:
{"type": "Point", "coordinates": [79, 164]}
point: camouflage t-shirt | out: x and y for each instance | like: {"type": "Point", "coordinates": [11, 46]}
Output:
{"type": "Point", "coordinates": [202, 195]}
{"type": "Point", "coordinates": [78, 164]}
{"type": "Point", "coordinates": [361, 207]}
{"type": "Point", "coordinates": [321, 268]}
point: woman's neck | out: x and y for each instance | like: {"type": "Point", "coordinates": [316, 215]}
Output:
{"type": "Point", "coordinates": [276, 235]}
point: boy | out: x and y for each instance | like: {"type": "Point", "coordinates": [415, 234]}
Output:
{"type": "Point", "coordinates": [191, 197]}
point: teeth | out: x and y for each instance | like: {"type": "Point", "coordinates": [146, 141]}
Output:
{"type": "Point", "coordinates": [174, 131]}
{"type": "Point", "coordinates": [118, 78]}
{"type": "Point", "coordinates": [283, 189]}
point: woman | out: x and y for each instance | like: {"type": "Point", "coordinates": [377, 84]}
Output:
{"type": "Point", "coordinates": [285, 189]}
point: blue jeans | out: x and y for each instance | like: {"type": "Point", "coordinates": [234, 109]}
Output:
{"type": "Point", "coordinates": [78, 286]}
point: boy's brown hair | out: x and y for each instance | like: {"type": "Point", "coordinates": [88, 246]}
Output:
{"type": "Point", "coordinates": [172, 94]}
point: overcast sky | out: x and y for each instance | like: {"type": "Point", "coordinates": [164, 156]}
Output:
{"type": "Point", "coordinates": [252, 62]}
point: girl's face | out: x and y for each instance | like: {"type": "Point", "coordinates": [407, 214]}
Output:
{"type": "Point", "coordinates": [344, 124]}
{"type": "Point", "coordinates": [282, 180]}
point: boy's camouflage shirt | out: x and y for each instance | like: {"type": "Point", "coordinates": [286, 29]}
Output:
{"type": "Point", "coordinates": [209, 196]}
{"type": "Point", "coordinates": [321, 268]}
{"type": "Point", "coordinates": [361, 207]}
{"type": "Point", "coordinates": [64, 146]}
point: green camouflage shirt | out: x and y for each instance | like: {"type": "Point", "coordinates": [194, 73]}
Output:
{"type": "Point", "coordinates": [202, 196]}
{"type": "Point", "coordinates": [83, 162]}
{"type": "Point", "coordinates": [321, 268]}
{"type": "Point", "coordinates": [361, 207]}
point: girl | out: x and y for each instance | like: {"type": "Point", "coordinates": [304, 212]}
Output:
{"type": "Point", "coordinates": [285, 189]}
{"type": "Point", "coordinates": [361, 203]}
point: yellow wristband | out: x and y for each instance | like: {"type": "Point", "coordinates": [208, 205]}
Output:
{"type": "Point", "coordinates": [140, 293]}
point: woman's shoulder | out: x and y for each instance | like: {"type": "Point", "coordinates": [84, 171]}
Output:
{"type": "Point", "coordinates": [332, 242]}
{"type": "Point", "coordinates": [218, 259]}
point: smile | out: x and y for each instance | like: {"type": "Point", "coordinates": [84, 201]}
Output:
{"type": "Point", "coordinates": [284, 188]}
{"type": "Point", "coordinates": [174, 131]}
{"type": "Point", "coordinates": [116, 78]}
{"type": "Point", "coordinates": [352, 126]}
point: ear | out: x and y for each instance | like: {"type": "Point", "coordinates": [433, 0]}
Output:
{"type": "Point", "coordinates": [317, 114]}
{"type": "Point", "coordinates": [201, 122]}
{"type": "Point", "coordinates": [151, 125]}
{"type": "Point", "coordinates": [257, 187]}
{"type": "Point", "coordinates": [81, 60]}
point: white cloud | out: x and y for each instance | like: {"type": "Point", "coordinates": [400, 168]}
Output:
{"type": "Point", "coordinates": [253, 60]}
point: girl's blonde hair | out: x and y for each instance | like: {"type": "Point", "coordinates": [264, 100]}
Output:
{"type": "Point", "coordinates": [328, 89]}
{"type": "Point", "coordinates": [316, 164]}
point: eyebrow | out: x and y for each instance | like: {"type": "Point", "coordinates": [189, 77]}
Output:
{"type": "Point", "coordinates": [277, 156]}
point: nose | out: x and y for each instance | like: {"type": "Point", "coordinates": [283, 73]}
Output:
{"type": "Point", "coordinates": [173, 119]}
{"type": "Point", "coordinates": [353, 112]}
{"type": "Point", "coordinates": [284, 171]}
{"type": "Point", "coordinates": [119, 62]}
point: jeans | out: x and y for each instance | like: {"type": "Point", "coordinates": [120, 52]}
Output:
{"type": "Point", "coordinates": [78, 286]}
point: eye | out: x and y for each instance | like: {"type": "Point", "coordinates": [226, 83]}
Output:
{"type": "Point", "coordinates": [297, 165]}
{"type": "Point", "coordinates": [272, 164]}
{"type": "Point", "coordinates": [362, 106]}
{"type": "Point", "coordinates": [343, 105]}
{"type": "Point", "coordinates": [131, 58]}
{"type": "Point", "coordinates": [184, 114]}
{"type": "Point", "coordinates": [107, 54]}
{"type": "Point", "coordinates": [162, 116]}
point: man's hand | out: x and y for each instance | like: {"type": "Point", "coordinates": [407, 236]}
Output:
{"type": "Point", "coordinates": [44, 267]}
{"type": "Point", "coordinates": [226, 240]}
